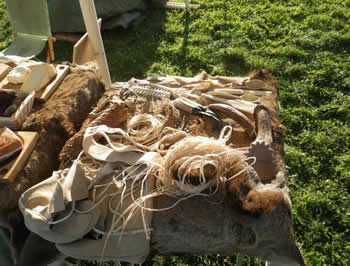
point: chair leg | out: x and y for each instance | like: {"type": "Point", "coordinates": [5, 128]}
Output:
{"type": "Point", "coordinates": [51, 50]}
{"type": "Point", "coordinates": [48, 56]}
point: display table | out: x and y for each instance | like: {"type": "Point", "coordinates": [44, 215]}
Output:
{"type": "Point", "coordinates": [252, 214]}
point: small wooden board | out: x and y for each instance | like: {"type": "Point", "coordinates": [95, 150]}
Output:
{"type": "Point", "coordinates": [45, 93]}
{"type": "Point", "coordinates": [9, 171]}
{"type": "Point", "coordinates": [83, 52]}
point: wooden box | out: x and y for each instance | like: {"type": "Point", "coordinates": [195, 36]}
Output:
{"type": "Point", "coordinates": [17, 119]}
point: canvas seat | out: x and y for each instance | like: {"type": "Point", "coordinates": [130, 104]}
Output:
{"type": "Point", "coordinates": [31, 27]}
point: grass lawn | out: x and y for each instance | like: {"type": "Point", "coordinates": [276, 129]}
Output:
{"type": "Point", "coordinates": [306, 46]}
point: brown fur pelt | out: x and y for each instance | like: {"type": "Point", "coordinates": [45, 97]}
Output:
{"type": "Point", "coordinates": [262, 74]}
{"type": "Point", "coordinates": [268, 101]}
{"type": "Point", "coordinates": [244, 196]}
{"type": "Point", "coordinates": [112, 114]}
{"type": "Point", "coordinates": [71, 103]}
{"type": "Point", "coordinates": [56, 121]}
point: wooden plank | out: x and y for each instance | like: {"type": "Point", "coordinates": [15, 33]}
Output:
{"type": "Point", "coordinates": [9, 171]}
{"type": "Point", "coordinates": [50, 48]}
{"type": "Point", "coordinates": [4, 70]}
{"type": "Point", "coordinates": [44, 94]}
{"type": "Point", "coordinates": [83, 51]}
{"type": "Point", "coordinates": [4, 84]}
{"type": "Point", "coordinates": [90, 20]}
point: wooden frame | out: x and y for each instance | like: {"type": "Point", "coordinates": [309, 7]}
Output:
{"type": "Point", "coordinates": [50, 50]}
{"type": "Point", "coordinates": [13, 168]}
{"type": "Point", "coordinates": [17, 119]}
{"type": "Point", "coordinates": [50, 56]}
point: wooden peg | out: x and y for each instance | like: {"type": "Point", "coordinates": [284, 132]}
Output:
{"type": "Point", "coordinates": [51, 49]}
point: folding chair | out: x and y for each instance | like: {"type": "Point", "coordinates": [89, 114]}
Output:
{"type": "Point", "coordinates": [31, 26]}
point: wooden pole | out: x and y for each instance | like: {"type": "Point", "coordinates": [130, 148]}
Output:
{"type": "Point", "coordinates": [92, 28]}
{"type": "Point", "coordinates": [83, 51]}
{"type": "Point", "coordinates": [51, 50]}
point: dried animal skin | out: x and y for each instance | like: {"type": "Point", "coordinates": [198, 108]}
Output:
{"type": "Point", "coordinates": [142, 91]}
{"type": "Point", "coordinates": [125, 149]}
{"type": "Point", "coordinates": [167, 138]}
{"type": "Point", "coordinates": [198, 88]}
{"type": "Point", "coordinates": [150, 89]}
{"type": "Point", "coordinates": [228, 80]}
{"type": "Point", "coordinates": [266, 202]}
{"type": "Point", "coordinates": [106, 115]}
{"type": "Point", "coordinates": [250, 98]}
{"type": "Point", "coordinates": [145, 128]}
{"type": "Point", "coordinates": [197, 163]}
{"type": "Point", "coordinates": [247, 108]}
{"type": "Point", "coordinates": [262, 74]}
{"type": "Point", "coordinates": [255, 84]}
{"type": "Point", "coordinates": [195, 127]}
{"type": "Point", "coordinates": [169, 111]}
{"type": "Point", "coordinates": [166, 81]}
{"type": "Point", "coordinates": [250, 197]}
{"type": "Point", "coordinates": [240, 92]}
{"type": "Point", "coordinates": [223, 94]}
{"type": "Point", "coordinates": [203, 86]}
{"type": "Point", "coordinates": [236, 115]}
{"type": "Point", "coordinates": [184, 80]}
{"type": "Point", "coordinates": [261, 148]}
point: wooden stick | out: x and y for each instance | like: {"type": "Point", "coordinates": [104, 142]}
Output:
{"type": "Point", "coordinates": [51, 50]}
{"type": "Point", "coordinates": [48, 56]}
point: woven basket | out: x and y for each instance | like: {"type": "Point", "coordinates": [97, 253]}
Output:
{"type": "Point", "coordinates": [17, 119]}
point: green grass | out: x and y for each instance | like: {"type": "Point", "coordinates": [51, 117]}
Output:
{"type": "Point", "coordinates": [306, 46]}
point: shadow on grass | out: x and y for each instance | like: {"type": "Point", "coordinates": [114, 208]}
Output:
{"type": "Point", "coordinates": [131, 52]}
